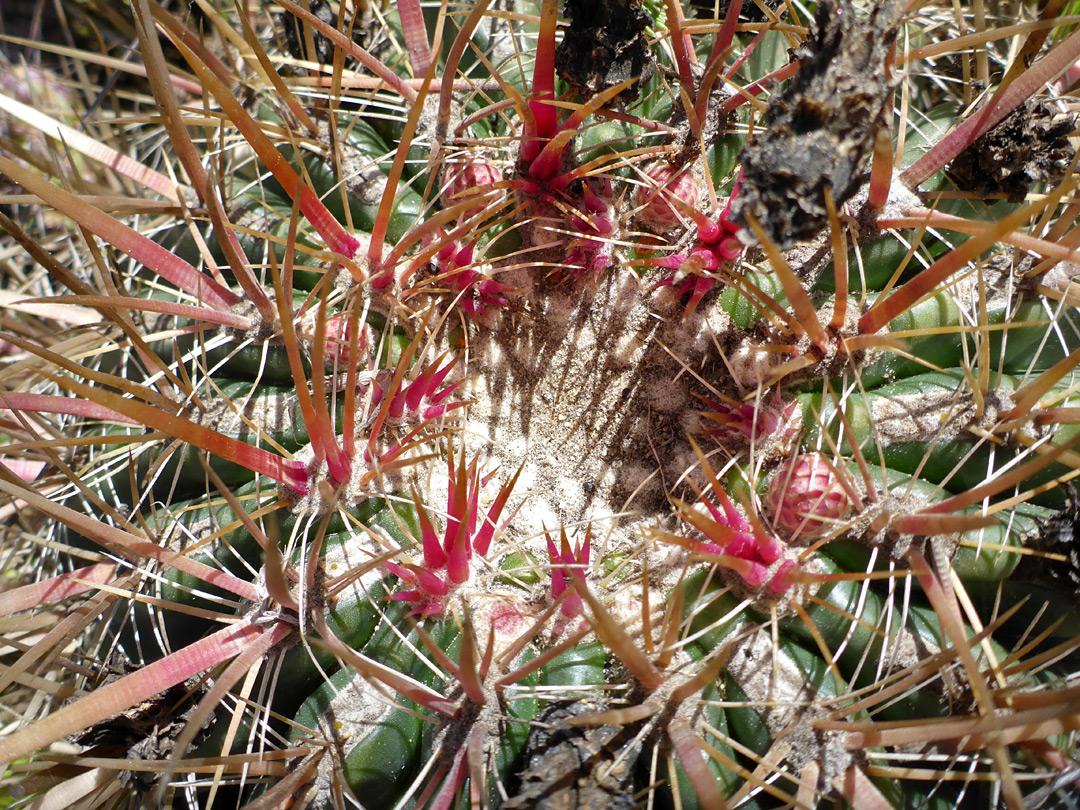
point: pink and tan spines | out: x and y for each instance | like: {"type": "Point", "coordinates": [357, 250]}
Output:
{"type": "Point", "coordinates": [721, 533]}
{"type": "Point", "coordinates": [468, 531]}
{"type": "Point", "coordinates": [565, 561]}
{"type": "Point", "coordinates": [750, 422]}
{"type": "Point", "coordinates": [728, 527]}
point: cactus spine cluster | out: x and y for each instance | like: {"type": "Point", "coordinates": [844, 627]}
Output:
{"type": "Point", "coordinates": [518, 406]}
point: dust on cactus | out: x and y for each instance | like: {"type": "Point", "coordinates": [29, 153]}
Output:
{"type": "Point", "coordinates": [634, 405]}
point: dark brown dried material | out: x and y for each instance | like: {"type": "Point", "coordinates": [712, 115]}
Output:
{"type": "Point", "coordinates": [751, 11]}
{"type": "Point", "coordinates": [819, 131]}
{"type": "Point", "coordinates": [1059, 535]}
{"type": "Point", "coordinates": [571, 768]}
{"type": "Point", "coordinates": [148, 730]}
{"type": "Point", "coordinates": [296, 43]}
{"type": "Point", "coordinates": [604, 45]}
{"type": "Point", "coordinates": [1029, 146]}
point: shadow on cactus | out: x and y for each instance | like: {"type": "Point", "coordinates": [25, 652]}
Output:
{"type": "Point", "coordinates": [485, 407]}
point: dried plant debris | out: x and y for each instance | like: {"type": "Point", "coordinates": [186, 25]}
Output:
{"type": "Point", "coordinates": [148, 730]}
{"type": "Point", "coordinates": [569, 767]}
{"type": "Point", "coordinates": [604, 45]}
{"type": "Point", "coordinates": [1030, 145]}
{"type": "Point", "coordinates": [820, 130]}
{"type": "Point", "coordinates": [751, 11]}
{"type": "Point", "coordinates": [1058, 537]}
{"type": "Point", "coordinates": [296, 43]}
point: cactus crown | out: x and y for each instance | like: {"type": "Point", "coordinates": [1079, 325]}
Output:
{"type": "Point", "coordinates": [430, 397]}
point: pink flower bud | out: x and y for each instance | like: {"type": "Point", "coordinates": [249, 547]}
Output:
{"type": "Point", "coordinates": [806, 498]}
{"type": "Point", "coordinates": [470, 180]}
{"type": "Point", "coordinates": [654, 200]}
{"type": "Point", "coordinates": [338, 337]}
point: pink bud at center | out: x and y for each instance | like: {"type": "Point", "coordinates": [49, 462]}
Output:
{"type": "Point", "coordinates": [655, 201]}
{"type": "Point", "coordinates": [806, 498]}
{"type": "Point", "coordinates": [338, 337]}
{"type": "Point", "coordinates": [471, 180]}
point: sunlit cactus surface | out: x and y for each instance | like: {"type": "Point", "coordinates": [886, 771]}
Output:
{"type": "Point", "coordinates": [617, 404]}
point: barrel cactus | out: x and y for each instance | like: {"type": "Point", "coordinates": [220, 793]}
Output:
{"type": "Point", "coordinates": [508, 405]}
